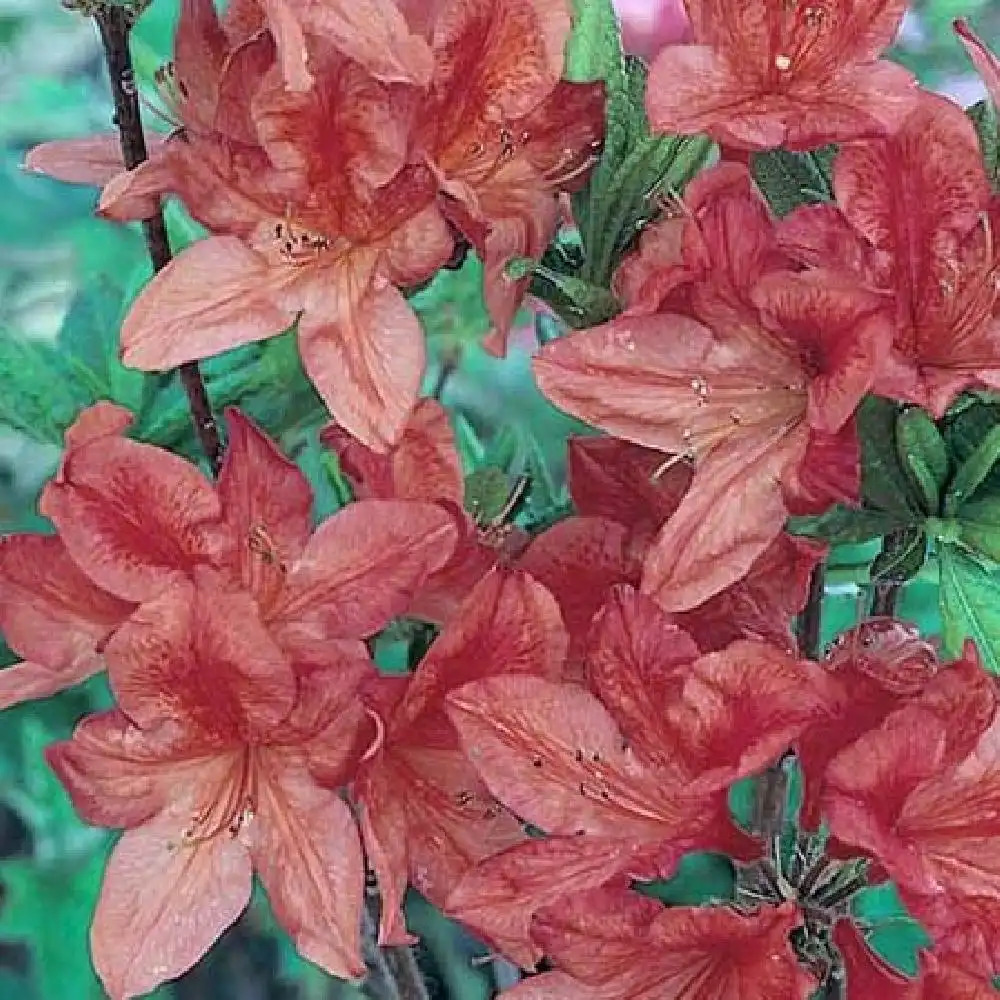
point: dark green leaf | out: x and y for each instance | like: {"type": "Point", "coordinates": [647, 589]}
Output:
{"type": "Point", "coordinates": [970, 604]}
{"type": "Point", "coordinates": [789, 180]}
{"type": "Point", "coordinates": [987, 122]}
{"type": "Point", "coordinates": [979, 526]}
{"type": "Point", "coordinates": [847, 524]}
{"type": "Point", "coordinates": [921, 452]}
{"type": "Point", "coordinates": [486, 493]}
{"type": "Point", "coordinates": [973, 472]}
{"type": "Point", "coordinates": [884, 484]}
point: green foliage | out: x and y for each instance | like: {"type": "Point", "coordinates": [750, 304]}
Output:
{"type": "Point", "coordinates": [789, 180]}
{"type": "Point", "coordinates": [987, 122]}
{"type": "Point", "coordinates": [889, 929]}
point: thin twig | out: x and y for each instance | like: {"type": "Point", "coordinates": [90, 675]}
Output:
{"type": "Point", "coordinates": [811, 620]}
{"type": "Point", "coordinates": [884, 601]}
{"type": "Point", "coordinates": [115, 25]}
{"type": "Point", "coordinates": [393, 973]}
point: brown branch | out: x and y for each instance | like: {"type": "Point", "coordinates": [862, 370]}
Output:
{"type": "Point", "coordinates": [811, 619]}
{"type": "Point", "coordinates": [115, 25]}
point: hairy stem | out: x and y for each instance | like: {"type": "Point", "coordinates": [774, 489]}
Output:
{"type": "Point", "coordinates": [393, 972]}
{"type": "Point", "coordinates": [811, 619]}
{"type": "Point", "coordinates": [115, 25]}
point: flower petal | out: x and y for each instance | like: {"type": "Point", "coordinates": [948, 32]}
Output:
{"type": "Point", "coordinates": [363, 348]}
{"type": "Point", "coordinates": [499, 897]}
{"type": "Point", "coordinates": [986, 63]}
{"type": "Point", "coordinates": [202, 657]}
{"type": "Point", "coordinates": [732, 513]}
{"type": "Point", "coordinates": [554, 755]}
{"type": "Point", "coordinates": [362, 566]}
{"type": "Point", "coordinates": [216, 295]}
{"type": "Point", "coordinates": [162, 906]}
{"type": "Point", "coordinates": [53, 615]}
{"type": "Point", "coordinates": [424, 465]}
{"type": "Point", "coordinates": [509, 624]}
{"type": "Point", "coordinates": [133, 516]}
{"type": "Point", "coordinates": [260, 490]}
{"type": "Point", "coordinates": [93, 160]}
{"type": "Point", "coordinates": [307, 854]}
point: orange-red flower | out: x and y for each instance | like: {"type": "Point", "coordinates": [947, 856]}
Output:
{"type": "Point", "coordinates": [916, 221]}
{"type": "Point", "coordinates": [135, 521]}
{"type": "Point", "coordinates": [232, 770]}
{"type": "Point", "coordinates": [425, 465]}
{"type": "Point", "coordinates": [632, 768]}
{"type": "Point", "coordinates": [762, 74]}
{"type": "Point", "coordinates": [315, 213]}
{"type": "Point", "coordinates": [427, 816]}
{"type": "Point", "coordinates": [503, 134]}
{"type": "Point", "coordinates": [756, 382]}
{"type": "Point", "coordinates": [623, 497]}
{"type": "Point", "coordinates": [621, 946]}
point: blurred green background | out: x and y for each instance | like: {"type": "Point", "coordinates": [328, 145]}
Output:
{"type": "Point", "coordinates": [64, 278]}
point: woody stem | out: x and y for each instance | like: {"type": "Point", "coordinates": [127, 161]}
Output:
{"type": "Point", "coordinates": [115, 25]}
{"type": "Point", "coordinates": [811, 620]}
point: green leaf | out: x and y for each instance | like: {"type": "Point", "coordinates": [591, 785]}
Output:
{"type": "Point", "coordinates": [594, 47]}
{"type": "Point", "coordinates": [987, 122]}
{"type": "Point", "coordinates": [884, 484]}
{"type": "Point", "coordinates": [888, 928]}
{"type": "Point", "coordinates": [486, 493]}
{"type": "Point", "coordinates": [970, 604]}
{"type": "Point", "coordinates": [842, 524]}
{"type": "Point", "coordinates": [923, 456]}
{"type": "Point", "coordinates": [979, 526]}
{"type": "Point", "coordinates": [789, 180]}
{"type": "Point", "coordinates": [973, 472]}
{"type": "Point", "coordinates": [580, 303]}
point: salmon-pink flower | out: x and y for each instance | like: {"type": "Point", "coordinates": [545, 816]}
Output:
{"type": "Point", "coordinates": [427, 816]}
{"type": "Point", "coordinates": [916, 221]}
{"type": "Point", "coordinates": [624, 496]}
{"type": "Point", "coordinates": [756, 382]}
{"type": "Point", "coordinates": [503, 134]}
{"type": "Point", "coordinates": [763, 74]}
{"type": "Point", "coordinates": [425, 465]}
{"type": "Point", "coordinates": [134, 521]}
{"type": "Point", "coordinates": [617, 945]}
{"type": "Point", "coordinates": [315, 213]}
{"type": "Point", "coordinates": [633, 767]}
{"type": "Point", "coordinates": [232, 770]}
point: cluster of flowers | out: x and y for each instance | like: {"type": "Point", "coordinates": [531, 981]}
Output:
{"type": "Point", "coordinates": [607, 681]}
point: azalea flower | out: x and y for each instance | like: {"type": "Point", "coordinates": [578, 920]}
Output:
{"type": "Point", "coordinates": [915, 795]}
{"type": "Point", "coordinates": [298, 234]}
{"type": "Point", "coordinates": [503, 134]}
{"type": "Point", "coordinates": [762, 74]}
{"type": "Point", "coordinates": [425, 465]}
{"type": "Point", "coordinates": [219, 765]}
{"type": "Point", "coordinates": [877, 668]}
{"type": "Point", "coordinates": [622, 946]}
{"type": "Point", "coordinates": [626, 772]}
{"type": "Point", "coordinates": [427, 816]}
{"type": "Point", "coordinates": [623, 496]}
{"type": "Point", "coordinates": [756, 384]}
{"type": "Point", "coordinates": [134, 521]}
{"type": "Point", "coordinates": [916, 221]}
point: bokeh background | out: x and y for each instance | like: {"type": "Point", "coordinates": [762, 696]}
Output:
{"type": "Point", "coordinates": [64, 279]}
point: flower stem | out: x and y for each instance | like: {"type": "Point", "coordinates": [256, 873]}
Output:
{"type": "Point", "coordinates": [115, 25]}
{"type": "Point", "coordinates": [884, 602]}
{"type": "Point", "coordinates": [393, 971]}
{"type": "Point", "coordinates": [811, 619]}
